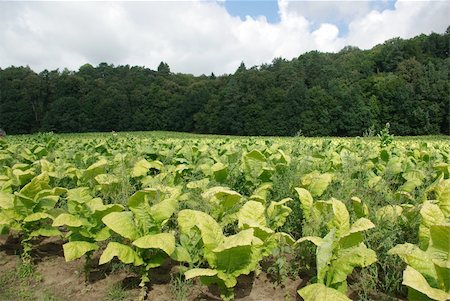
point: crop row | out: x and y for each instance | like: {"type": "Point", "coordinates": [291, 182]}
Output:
{"type": "Point", "coordinates": [221, 207]}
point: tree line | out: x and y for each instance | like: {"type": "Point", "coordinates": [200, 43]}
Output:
{"type": "Point", "coordinates": [403, 81]}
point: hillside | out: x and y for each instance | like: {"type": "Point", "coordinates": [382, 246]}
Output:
{"type": "Point", "coordinates": [403, 82]}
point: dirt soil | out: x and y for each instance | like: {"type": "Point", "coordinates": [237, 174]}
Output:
{"type": "Point", "coordinates": [65, 280]}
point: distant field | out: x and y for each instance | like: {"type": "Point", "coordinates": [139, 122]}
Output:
{"type": "Point", "coordinates": [162, 214]}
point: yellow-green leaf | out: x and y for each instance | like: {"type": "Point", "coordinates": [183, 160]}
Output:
{"type": "Point", "coordinates": [162, 241]}
{"type": "Point", "coordinates": [75, 249]}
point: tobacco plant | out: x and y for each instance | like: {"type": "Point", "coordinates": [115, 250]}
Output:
{"type": "Point", "coordinates": [338, 253]}
{"type": "Point", "coordinates": [428, 272]}
{"type": "Point", "coordinates": [30, 211]}
{"type": "Point", "coordinates": [143, 243]}
{"type": "Point", "coordinates": [83, 221]}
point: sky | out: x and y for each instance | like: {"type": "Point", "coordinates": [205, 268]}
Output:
{"type": "Point", "coordinates": [202, 36]}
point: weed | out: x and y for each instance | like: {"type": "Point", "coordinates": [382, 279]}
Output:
{"type": "Point", "coordinates": [280, 270]}
{"type": "Point", "coordinates": [180, 287]}
{"type": "Point", "coordinates": [19, 284]}
{"type": "Point", "coordinates": [25, 270]}
{"type": "Point", "coordinates": [116, 293]}
{"type": "Point", "coordinates": [48, 296]}
{"type": "Point", "coordinates": [385, 137]}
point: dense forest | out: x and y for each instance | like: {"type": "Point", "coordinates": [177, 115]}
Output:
{"type": "Point", "coordinates": [403, 82]}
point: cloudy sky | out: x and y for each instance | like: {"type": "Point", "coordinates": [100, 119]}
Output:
{"type": "Point", "coordinates": [201, 37]}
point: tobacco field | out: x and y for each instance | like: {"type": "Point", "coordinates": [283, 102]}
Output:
{"type": "Point", "coordinates": [166, 216]}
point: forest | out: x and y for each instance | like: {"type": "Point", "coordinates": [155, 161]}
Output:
{"type": "Point", "coordinates": [403, 82]}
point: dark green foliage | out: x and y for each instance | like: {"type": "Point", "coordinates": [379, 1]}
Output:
{"type": "Point", "coordinates": [403, 82]}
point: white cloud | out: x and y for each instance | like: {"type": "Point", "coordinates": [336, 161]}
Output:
{"type": "Point", "coordinates": [326, 38]}
{"type": "Point", "coordinates": [196, 36]}
{"type": "Point", "coordinates": [409, 18]}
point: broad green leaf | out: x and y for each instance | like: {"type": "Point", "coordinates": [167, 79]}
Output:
{"type": "Point", "coordinates": [181, 254]}
{"type": "Point", "coordinates": [220, 172]}
{"type": "Point", "coordinates": [320, 292]}
{"type": "Point", "coordinates": [314, 239]}
{"type": "Point", "coordinates": [394, 166]}
{"type": "Point", "coordinates": [163, 210]}
{"type": "Point", "coordinates": [347, 260]}
{"type": "Point", "coordinates": [158, 165]}
{"type": "Point", "coordinates": [431, 215]}
{"type": "Point", "coordinates": [106, 179]}
{"type": "Point", "coordinates": [243, 238]}
{"type": "Point", "coordinates": [414, 295]}
{"type": "Point", "coordinates": [102, 234]}
{"type": "Point", "coordinates": [57, 191]}
{"type": "Point", "coordinates": [253, 164]}
{"type": "Point", "coordinates": [316, 183]}
{"type": "Point", "coordinates": [416, 258]}
{"type": "Point", "coordinates": [6, 200]}
{"type": "Point", "coordinates": [227, 198]}
{"type": "Point", "coordinates": [341, 218]}
{"type": "Point", "coordinates": [252, 214]}
{"type": "Point", "coordinates": [123, 252]}
{"type": "Point", "coordinates": [20, 177]}
{"type": "Point", "coordinates": [199, 272]}
{"type": "Point", "coordinates": [229, 280]}
{"type": "Point", "coordinates": [46, 203]}
{"type": "Point", "coordinates": [373, 181]}
{"type": "Point", "coordinates": [97, 207]}
{"type": "Point", "coordinates": [4, 229]}
{"type": "Point", "coordinates": [211, 231]}
{"type": "Point", "coordinates": [36, 185]}
{"type": "Point", "coordinates": [388, 213]}
{"type": "Point", "coordinates": [235, 261]}
{"type": "Point", "coordinates": [79, 195]}
{"type": "Point", "coordinates": [284, 238]}
{"type": "Point", "coordinates": [235, 256]}
{"type": "Point", "coordinates": [440, 237]}
{"type": "Point", "coordinates": [162, 241]}
{"type": "Point", "coordinates": [66, 219]}
{"type": "Point", "coordinates": [443, 273]}
{"type": "Point", "coordinates": [7, 216]}
{"type": "Point", "coordinates": [97, 168]}
{"type": "Point", "coordinates": [155, 260]}
{"type": "Point", "coordinates": [122, 223]}
{"type": "Point", "coordinates": [200, 184]}
{"type": "Point", "coordinates": [75, 249]}
{"type": "Point", "coordinates": [324, 254]}
{"type": "Point", "coordinates": [306, 201]}
{"type": "Point", "coordinates": [354, 237]}
{"type": "Point", "coordinates": [359, 207]}
{"type": "Point", "coordinates": [443, 169]}
{"type": "Point", "coordinates": [140, 168]}
{"type": "Point", "coordinates": [278, 212]}
{"type": "Point", "coordinates": [416, 281]}
{"type": "Point", "coordinates": [260, 193]}
{"type": "Point", "coordinates": [48, 232]}
{"type": "Point", "coordinates": [139, 205]}
{"type": "Point", "coordinates": [361, 224]}
{"type": "Point", "coordinates": [33, 217]}
{"type": "Point", "coordinates": [442, 192]}
{"type": "Point", "coordinates": [410, 185]}
{"type": "Point", "coordinates": [384, 155]}
{"type": "Point", "coordinates": [351, 240]}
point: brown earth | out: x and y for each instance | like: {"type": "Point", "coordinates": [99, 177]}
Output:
{"type": "Point", "coordinates": [65, 280]}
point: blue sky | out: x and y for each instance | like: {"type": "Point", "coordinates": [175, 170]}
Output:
{"type": "Point", "coordinates": [254, 8]}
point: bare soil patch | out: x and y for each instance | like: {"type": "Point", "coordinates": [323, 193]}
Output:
{"type": "Point", "coordinates": [63, 280]}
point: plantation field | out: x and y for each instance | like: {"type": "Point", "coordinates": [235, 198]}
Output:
{"type": "Point", "coordinates": [172, 216]}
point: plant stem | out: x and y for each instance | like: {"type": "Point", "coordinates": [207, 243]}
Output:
{"type": "Point", "coordinates": [143, 284]}
{"type": "Point", "coordinates": [87, 267]}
